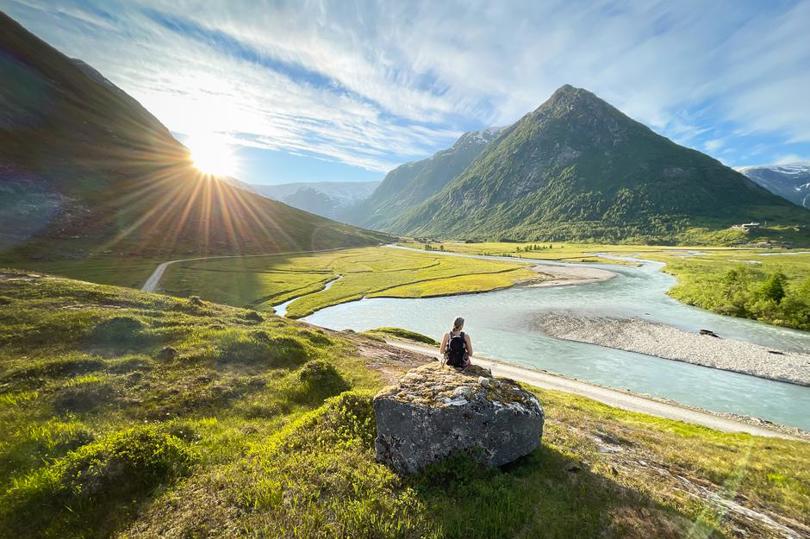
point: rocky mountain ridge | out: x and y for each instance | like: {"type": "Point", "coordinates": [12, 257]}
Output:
{"type": "Point", "coordinates": [329, 199]}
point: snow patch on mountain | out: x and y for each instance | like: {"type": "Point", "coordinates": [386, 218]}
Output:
{"type": "Point", "coordinates": [788, 180]}
{"type": "Point", "coordinates": [329, 199]}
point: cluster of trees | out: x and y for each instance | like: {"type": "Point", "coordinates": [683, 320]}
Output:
{"type": "Point", "coordinates": [533, 247]}
{"type": "Point", "coordinates": [767, 296]}
{"type": "Point", "coordinates": [430, 247]}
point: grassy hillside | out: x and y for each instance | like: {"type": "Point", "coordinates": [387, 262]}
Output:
{"type": "Point", "coordinates": [579, 169]}
{"type": "Point", "coordinates": [262, 282]}
{"type": "Point", "coordinates": [86, 172]}
{"type": "Point", "coordinates": [144, 415]}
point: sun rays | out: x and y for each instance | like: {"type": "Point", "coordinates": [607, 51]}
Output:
{"type": "Point", "coordinates": [212, 154]}
{"type": "Point", "coordinates": [173, 205]}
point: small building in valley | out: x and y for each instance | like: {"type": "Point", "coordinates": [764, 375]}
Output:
{"type": "Point", "coordinates": [747, 226]}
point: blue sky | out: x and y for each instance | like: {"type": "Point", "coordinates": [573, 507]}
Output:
{"type": "Point", "coordinates": [346, 90]}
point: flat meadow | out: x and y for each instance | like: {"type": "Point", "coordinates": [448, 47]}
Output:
{"type": "Point", "coordinates": [263, 281]}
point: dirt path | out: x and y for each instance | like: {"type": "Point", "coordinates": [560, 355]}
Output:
{"type": "Point", "coordinates": [153, 281]}
{"type": "Point", "coordinates": [611, 397]}
{"type": "Point", "coordinates": [151, 284]}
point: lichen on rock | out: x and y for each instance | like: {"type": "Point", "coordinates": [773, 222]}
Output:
{"type": "Point", "coordinates": [437, 411]}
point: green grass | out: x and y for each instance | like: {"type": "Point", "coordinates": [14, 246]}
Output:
{"type": "Point", "coordinates": [734, 282]}
{"type": "Point", "coordinates": [565, 252]}
{"type": "Point", "coordinates": [141, 414]}
{"type": "Point", "coordinates": [402, 334]}
{"type": "Point", "coordinates": [262, 282]}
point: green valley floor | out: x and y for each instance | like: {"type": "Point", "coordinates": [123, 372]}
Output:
{"type": "Point", "coordinates": [318, 280]}
{"type": "Point", "coordinates": [124, 413]}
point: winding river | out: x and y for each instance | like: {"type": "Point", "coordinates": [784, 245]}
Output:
{"type": "Point", "coordinates": [500, 323]}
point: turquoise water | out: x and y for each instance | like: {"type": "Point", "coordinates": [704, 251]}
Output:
{"type": "Point", "coordinates": [501, 326]}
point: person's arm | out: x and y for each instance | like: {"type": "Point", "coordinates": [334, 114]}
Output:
{"type": "Point", "coordinates": [469, 345]}
{"type": "Point", "coordinates": [443, 346]}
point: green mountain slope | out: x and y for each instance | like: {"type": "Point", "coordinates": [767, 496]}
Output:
{"type": "Point", "coordinates": [85, 169]}
{"type": "Point", "coordinates": [410, 184]}
{"type": "Point", "coordinates": [578, 168]}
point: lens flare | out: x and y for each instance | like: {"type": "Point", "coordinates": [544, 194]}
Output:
{"type": "Point", "coordinates": [212, 154]}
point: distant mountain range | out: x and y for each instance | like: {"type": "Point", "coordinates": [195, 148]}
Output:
{"type": "Point", "coordinates": [85, 169]}
{"type": "Point", "coordinates": [330, 199]}
{"type": "Point", "coordinates": [575, 169]}
{"type": "Point", "coordinates": [790, 181]}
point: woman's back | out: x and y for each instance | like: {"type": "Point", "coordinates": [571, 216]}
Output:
{"type": "Point", "coordinates": [456, 345]}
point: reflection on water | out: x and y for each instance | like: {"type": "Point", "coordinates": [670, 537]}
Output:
{"type": "Point", "coordinates": [501, 324]}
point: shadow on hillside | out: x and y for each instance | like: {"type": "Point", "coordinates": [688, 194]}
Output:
{"type": "Point", "coordinates": [255, 282]}
{"type": "Point", "coordinates": [544, 494]}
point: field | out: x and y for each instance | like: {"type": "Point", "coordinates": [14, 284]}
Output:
{"type": "Point", "coordinates": [264, 281]}
{"type": "Point", "coordinates": [144, 415]}
{"type": "Point", "coordinates": [770, 285]}
{"type": "Point", "coordinates": [565, 252]}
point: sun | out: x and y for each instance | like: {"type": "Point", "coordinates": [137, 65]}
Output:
{"type": "Point", "coordinates": [212, 154]}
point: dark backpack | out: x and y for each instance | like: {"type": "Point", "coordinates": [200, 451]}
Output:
{"type": "Point", "coordinates": [457, 351]}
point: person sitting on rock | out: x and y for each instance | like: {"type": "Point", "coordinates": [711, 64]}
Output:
{"type": "Point", "coordinates": [456, 346]}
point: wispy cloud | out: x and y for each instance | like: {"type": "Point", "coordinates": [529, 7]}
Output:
{"type": "Point", "coordinates": [790, 158]}
{"type": "Point", "coordinates": [372, 84]}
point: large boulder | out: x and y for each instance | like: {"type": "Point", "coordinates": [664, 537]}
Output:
{"type": "Point", "coordinates": [436, 411]}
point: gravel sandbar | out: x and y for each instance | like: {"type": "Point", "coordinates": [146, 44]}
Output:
{"type": "Point", "coordinates": [667, 342]}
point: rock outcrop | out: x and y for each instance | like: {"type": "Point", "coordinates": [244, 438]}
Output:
{"type": "Point", "coordinates": [436, 411]}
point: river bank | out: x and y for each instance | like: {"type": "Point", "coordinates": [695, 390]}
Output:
{"type": "Point", "coordinates": [625, 400]}
{"type": "Point", "coordinates": [667, 342]}
{"type": "Point", "coordinates": [501, 324]}
{"type": "Point", "coordinates": [569, 276]}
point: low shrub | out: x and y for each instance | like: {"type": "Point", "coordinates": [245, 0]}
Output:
{"type": "Point", "coordinates": [260, 349]}
{"type": "Point", "coordinates": [318, 338]}
{"type": "Point", "coordinates": [53, 368]}
{"type": "Point", "coordinates": [85, 397]}
{"type": "Point", "coordinates": [95, 487]}
{"type": "Point", "coordinates": [317, 380]}
{"type": "Point", "coordinates": [121, 332]}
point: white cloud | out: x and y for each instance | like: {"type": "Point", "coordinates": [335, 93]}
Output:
{"type": "Point", "coordinates": [713, 145]}
{"type": "Point", "coordinates": [790, 158]}
{"type": "Point", "coordinates": [408, 77]}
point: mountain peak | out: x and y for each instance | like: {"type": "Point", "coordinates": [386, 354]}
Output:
{"type": "Point", "coordinates": [579, 168]}
{"type": "Point", "coordinates": [566, 89]}
{"type": "Point", "coordinates": [568, 96]}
